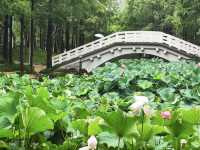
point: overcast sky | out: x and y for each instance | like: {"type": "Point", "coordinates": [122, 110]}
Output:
{"type": "Point", "coordinates": [122, 3]}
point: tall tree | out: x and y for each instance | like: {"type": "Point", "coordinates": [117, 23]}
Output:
{"type": "Point", "coordinates": [21, 55]}
{"type": "Point", "coordinates": [10, 39]}
{"type": "Point", "coordinates": [49, 35]}
{"type": "Point", "coordinates": [5, 39]}
{"type": "Point", "coordinates": [74, 27]}
{"type": "Point", "coordinates": [32, 36]}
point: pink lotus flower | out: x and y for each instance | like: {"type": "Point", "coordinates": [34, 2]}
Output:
{"type": "Point", "coordinates": [198, 65]}
{"type": "Point", "coordinates": [92, 143]}
{"type": "Point", "coordinates": [166, 115]}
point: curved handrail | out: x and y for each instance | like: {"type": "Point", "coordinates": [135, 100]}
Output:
{"type": "Point", "coordinates": [152, 37]}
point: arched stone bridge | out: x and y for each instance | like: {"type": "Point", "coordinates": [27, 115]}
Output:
{"type": "Point", "coordinates": [123, 44]}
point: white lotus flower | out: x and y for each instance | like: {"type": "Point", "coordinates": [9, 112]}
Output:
{"type": "Point", "coordinates": [92, 143]}
{"type": "Point", "coordinates": [84, 148]}
{"type": "Point", "coordinates": [140, 101]}
{"type": "Point", "coordinates": [148, 111]}
{"type": "Point", "coordinates": [135, 107]}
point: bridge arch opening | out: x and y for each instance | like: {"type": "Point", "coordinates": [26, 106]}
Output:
{"type": "Point", "coordinates": [128, 53]}
{"type": "Point", "coordinates": [133, 56]}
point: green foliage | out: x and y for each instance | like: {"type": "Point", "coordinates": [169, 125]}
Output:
{"type": "Point", "coordinates": [177, 17]}
{"type": "Point", "coordinates": [63, 112]}
{"type": "Point", "coordinates": [111, 140]}
{"type": "Point", "coordinates": [114, 122]}
{"type": "Point", "coordinates": [144, 84]}
{"type": "Point", "coordinates": [35, 120]}
{"type": "Point", "coordinates": [167, 94]}
{"type": "Point", "coordinates": [8, 107]}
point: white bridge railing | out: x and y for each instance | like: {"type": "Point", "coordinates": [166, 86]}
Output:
{"type": "Point", "coordinates": [150, 37]}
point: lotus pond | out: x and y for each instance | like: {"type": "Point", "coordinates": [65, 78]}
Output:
{"type": "Point", "coordinates": [127, 105]}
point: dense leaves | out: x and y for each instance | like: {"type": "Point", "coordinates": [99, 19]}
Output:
{"type": "Point", "coordinates": [177, 17]}
{"type": "Point", "coordinates": [63, 112]}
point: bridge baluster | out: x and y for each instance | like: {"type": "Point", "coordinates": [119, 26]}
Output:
{"type": "Point", "coordinates": [116, 37]}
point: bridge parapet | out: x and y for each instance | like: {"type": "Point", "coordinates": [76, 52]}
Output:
{"type": "Point", "coordinates": [137, 37]}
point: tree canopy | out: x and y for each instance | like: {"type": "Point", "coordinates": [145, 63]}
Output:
{"type": "Point", "coordinates": [177, 17]}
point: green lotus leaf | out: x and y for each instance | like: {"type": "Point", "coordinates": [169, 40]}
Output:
{"type": "Point", "coordinates": [144, 84]}
{"type": "Point", "coordinates": [35, 120]}
{"type": "Point", "coordinates": [111, 140]}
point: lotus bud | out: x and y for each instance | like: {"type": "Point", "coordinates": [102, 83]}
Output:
{"type": "Point", "coordinates": [92, 143]}
{"type": "Point", "coordinates": [183, 142]}
{"type": "Point", "coordinates": [166, 115]}
{"type": "Point", "coordinates": [123, 67]}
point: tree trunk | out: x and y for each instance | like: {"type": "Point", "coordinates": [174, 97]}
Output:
{"type": "Point", "coordinates": [77, 34]}
{"type": "Point", "coordinates": [67, 34]}
{"type": "Point", "coordinates": [42, 39]}
{"type": "Point", "coordinates": [27, 39]}
{"type": "Point", "coordinates": [1, 36]}
{"type": "Point", "coordinates": [81, 38]}
{"type": "Point", "coordinates": [62, 39]}
{"type": "Point", "coordinates": [10, 40]}
{"type": "Point", "coordinates": [81, 34]}
{"type": "Point", "coordinates": [5, 39]}
{"type": "Point", "coordinates": [73, 35]}
{"type": "Point", "coordinates": [40, 34]}
{"type": "Point", "coordinates": [32, 36]}
{"type": "Point", "coordinates": [55, 48]}
{"type": "Point", "coordinates": [49, 37]}
{"type": "Point", "coordinates": [22, 45]}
